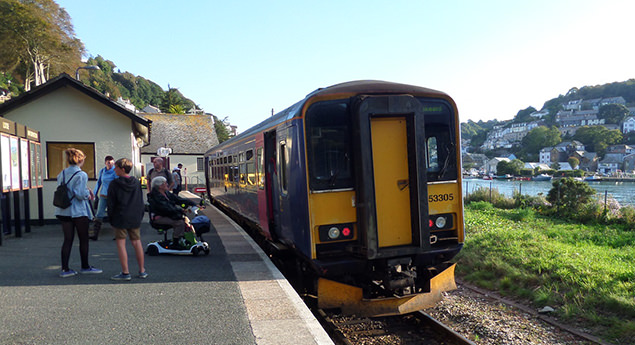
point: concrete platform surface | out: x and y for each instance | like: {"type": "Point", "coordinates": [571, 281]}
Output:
{"type": "Point", "coordinates": [235, 295]}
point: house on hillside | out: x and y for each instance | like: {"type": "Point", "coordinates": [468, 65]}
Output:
{"type": "Point", "coordinates": [611, 163]}
{"type": "Point", "coordinates": [188, 137]}
{"type": "Point", "coordinates": [71, 114]}
{"type": "Point", "coordinates": [628, 125]}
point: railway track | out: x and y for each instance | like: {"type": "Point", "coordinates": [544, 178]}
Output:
{"type": "Point", "coordinates": [415, 328]}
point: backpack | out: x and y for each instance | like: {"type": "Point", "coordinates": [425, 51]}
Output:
{"type": "Point", "coordinates": [60, 196]}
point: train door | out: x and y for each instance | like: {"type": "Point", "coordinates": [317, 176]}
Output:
{"type": "Point", "coordinates": [391, 180]}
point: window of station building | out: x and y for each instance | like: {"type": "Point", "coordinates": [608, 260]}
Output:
{"type": "Point", "coordinates": [200, 164]}
{"type": "Point", "coordinates": [440, 140]}
{"type": "Point", "coordinates": [329, 131]}
{"type": "Point", "coordinates": [57, 159]}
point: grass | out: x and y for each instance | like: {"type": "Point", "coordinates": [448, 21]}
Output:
{"type": "Point", "coordinates": [584, 271]}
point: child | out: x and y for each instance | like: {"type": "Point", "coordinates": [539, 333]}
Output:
{"type": "Point", "coordinates": [125, 211]}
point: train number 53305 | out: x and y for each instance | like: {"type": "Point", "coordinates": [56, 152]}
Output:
{"type": "Point", "coordinates": [440, 197]}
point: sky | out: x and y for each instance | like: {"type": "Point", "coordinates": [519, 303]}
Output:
{"type": "Point", "coordinates": [241, 59]}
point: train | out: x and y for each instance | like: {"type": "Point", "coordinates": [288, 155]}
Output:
{"type": "Point", "coordinates": [359, 185]}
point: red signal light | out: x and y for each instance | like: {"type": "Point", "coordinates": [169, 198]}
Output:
{"type": "Point", "coordinates": [431, 223]}
{"type": "Point", "coordinates": [346, 232]}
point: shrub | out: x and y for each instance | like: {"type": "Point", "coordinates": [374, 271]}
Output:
{"type": "Point", "coordinates": [568, 196]}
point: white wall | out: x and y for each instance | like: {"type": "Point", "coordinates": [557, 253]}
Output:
{"type": "Point", "coordinates": [68, 115]}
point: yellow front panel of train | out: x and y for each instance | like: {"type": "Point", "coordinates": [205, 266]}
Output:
{"type": "Point", "coordinates": [392, 193]}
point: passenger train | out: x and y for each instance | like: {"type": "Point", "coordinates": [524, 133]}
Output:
{"type": "Point", "coordinates": [361, 182]}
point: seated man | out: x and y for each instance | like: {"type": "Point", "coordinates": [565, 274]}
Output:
{"type": "Point", "coordinates": [167, 208]}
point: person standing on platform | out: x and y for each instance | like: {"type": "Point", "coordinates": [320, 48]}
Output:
{"type": "Point", "coordinates": [76, 216]}
{"type": "Point", "coordinates": [159, 170]}
{"type": "Point", "coordinates": [106, 175]}
{"type": "Point", "coordinates": [125, 211]}
{"type": "Point", "coordinates": [176, 175]}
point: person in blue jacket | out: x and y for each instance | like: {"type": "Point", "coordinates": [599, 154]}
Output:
{"type": "Point", "coordinates": [106, 175]}
{"type": "Point", "coordinates": [78, 215]}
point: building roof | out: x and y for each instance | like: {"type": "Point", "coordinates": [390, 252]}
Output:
{"type": "Point", "coordinates": [65, 80]}
{"type": "Point", "coordinates": [183, 133]}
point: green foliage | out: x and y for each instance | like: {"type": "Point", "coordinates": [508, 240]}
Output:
{"type": "Point", "coordinates": [613, 113]}
{"type": "Point", "coordinates": [524, 115]}
{"type": "Point", "coordinates": [573, 162]}
{"type": "Point", "coordinates": [512, 168]}
{"type": "Point", "coordinates": [578, 269]}
{"type": "Point", "coordinates": [221, 129]}
{"type": "Point", "coordinates": [37, 40]}
{"type": "Point", "coordinates": [568, 196]}
{"type": "Point", "coordinates": [540, 137]}
{"type": "Point", "coordinates": [598, 138]}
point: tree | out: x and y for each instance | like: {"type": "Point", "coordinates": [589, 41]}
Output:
{"type": "Point", "coordinates": [573, 162]}
{"type": "Point", "coordinates": [37, 40]}
{"type": "Point", "coordinates": [513, 167]}
{"type": "Point", "coordinates": [539, 138]}
{"type": "Point", "coordinates": [613, 113]}
{"type": "Point", "coordinates": [221, 129]}
{"type": "Point", "coordinates": [569, 196]}
{"type": "Point", "coordinates": [524, 115]}
{"type": "Point", "coordinates": [172, 101]}
{"type": "Point", "coordinates": [597, 138]}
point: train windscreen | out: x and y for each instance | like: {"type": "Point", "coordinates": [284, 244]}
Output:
{"type": "Point", "coordinates": [440, 140]}
{"type": "Point", "coordinates": [329, 131]}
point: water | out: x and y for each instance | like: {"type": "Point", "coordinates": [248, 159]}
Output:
{"type": "Point", "coordinates": [623, 192]}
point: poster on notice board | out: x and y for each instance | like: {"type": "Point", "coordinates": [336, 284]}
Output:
{"type": "Point", "coordinates": [5, 148]}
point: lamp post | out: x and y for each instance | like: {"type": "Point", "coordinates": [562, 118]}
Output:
{"type": "Point", "coordinates": [89, 67]}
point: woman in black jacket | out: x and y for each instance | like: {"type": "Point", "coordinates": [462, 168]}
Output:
{"type": "Point", "coordinates": [167, 208]}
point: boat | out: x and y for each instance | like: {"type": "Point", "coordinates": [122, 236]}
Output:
{"type": "Point", "coordinates": [487, 177]}
{"type": "Point", "coordinates": [542, 177]}
{"type": "Point", "coordinates": [593, 178]}
{"type": "Point", "coordinates": [503, 177]}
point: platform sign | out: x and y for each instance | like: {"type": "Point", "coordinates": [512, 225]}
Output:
{"type": "Point", "coordinates": [200, 190]}
{"type": "Point", "coordinates": [24, 164]}
{"type": "Point", "coordinates": [38, 161]}
{"type": "Point", "coordinates": [5, 157]}
{"type": "Point", "coordinates": [15, 163]}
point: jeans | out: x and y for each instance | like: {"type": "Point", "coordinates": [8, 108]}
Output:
{"type": "Point", "coordinates": [101, 209]}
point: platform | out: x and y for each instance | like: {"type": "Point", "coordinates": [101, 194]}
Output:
{"type": "Point", "coordinates": [233, 296]}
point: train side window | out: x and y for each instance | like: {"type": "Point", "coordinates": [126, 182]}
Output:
{"type": "Point", "coordinates": [242, 172]}
{"type": "Point", "coordinates": [433, 156]}
{"type": "Point", "coordinates": [260, 160]}
{"type": "Point", "coordinates": [283, 166]}
{"type": "Point", "coordinates": [249, 154]}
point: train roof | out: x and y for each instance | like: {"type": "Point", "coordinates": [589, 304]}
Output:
{"type": "Point", "coordinates": [352, 88]}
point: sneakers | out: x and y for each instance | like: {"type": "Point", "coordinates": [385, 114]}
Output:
{"type": "Point", "coordinates": [69, 273]}
{"type": "Point", "coordinates": [122, 276]}
{"type": "Point", "coordinates": [143, 275]}
{"type": "Point", "coordinates": [90, 270]}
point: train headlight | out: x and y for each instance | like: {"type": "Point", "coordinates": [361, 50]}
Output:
{"type": "Point", "coordinates": [440, 222]}
{"type": "Point", "coordinates": [334, 233]}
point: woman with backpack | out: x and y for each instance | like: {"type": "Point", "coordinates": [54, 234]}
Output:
{"type": "Point", "coordinates": [77, 215]}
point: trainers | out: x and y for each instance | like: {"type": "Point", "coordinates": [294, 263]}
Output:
{"type": "Point", "coordinates": [122, 276]}
{"type": "Point", "coordinates": [143, 275]}
{"type": "Point", "coordinates": [69, 273]}
{"type": "Point", "coordinates": [90, 270]}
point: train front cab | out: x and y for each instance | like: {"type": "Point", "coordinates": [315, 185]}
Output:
{"type": "Point", "coordinates": [395, 229]}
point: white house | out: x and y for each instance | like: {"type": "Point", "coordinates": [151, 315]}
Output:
{"type": "Point", "coordinates": [69, 114]}
{"type": "Point", "coordinates": [628, 125]}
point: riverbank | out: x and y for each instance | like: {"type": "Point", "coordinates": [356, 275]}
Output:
{"type": "Point", "coordinates": [584, 272]}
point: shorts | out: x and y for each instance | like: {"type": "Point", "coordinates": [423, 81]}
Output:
{"type": "Point", "coordinates": [134, 234]}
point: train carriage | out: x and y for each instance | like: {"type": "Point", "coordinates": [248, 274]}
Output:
{"type": "Point", "coordinates": [360, 181]}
